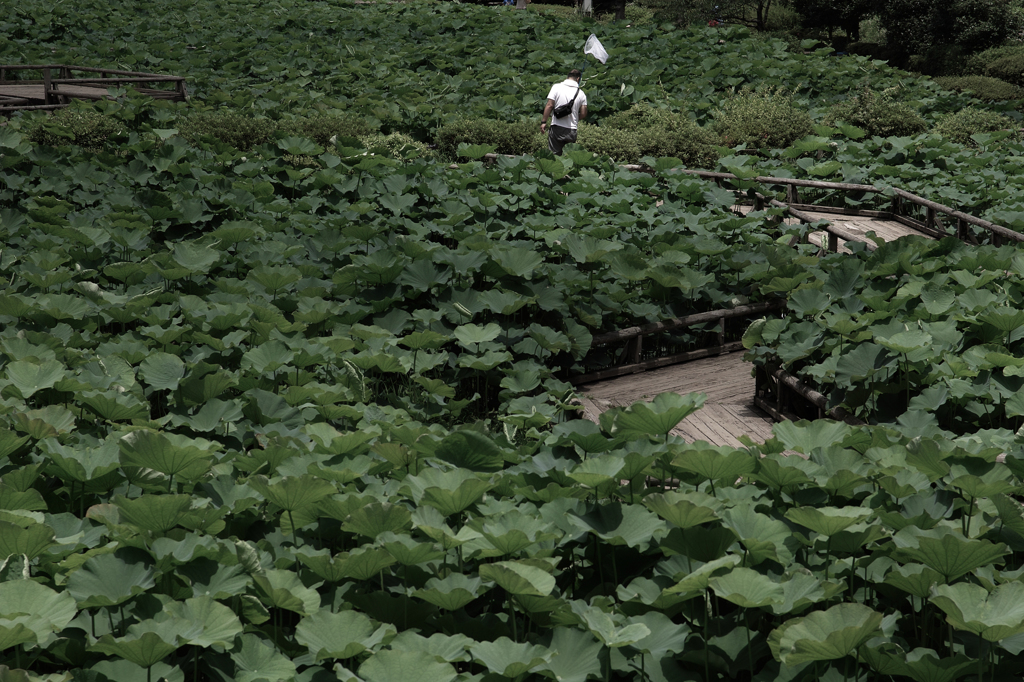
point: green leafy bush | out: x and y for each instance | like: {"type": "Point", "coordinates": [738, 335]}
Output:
{"type": "Point", "coordinates": [761, 118]}
{"type": "Point", "coordinates": [878, 114]}
{"type": "Point", "coordinates": [978, 64]}
{"type": "Point", "coordinates": [322, 128]}
{"type": "Point", "coordinates": [523, 137]}
{"type": "Point", "coordinates": [1009, 68]}
{"type": "Point", "coordinates": [644, 130]}
{"type": "Point", "coordinates": [960, 125]}
{"type": "Point", "coordinates": [398, 144]}
{"type": "Point", "coordinates": [983, 87]}
{"type": "Point", "coordinates": [74, 126]}
{"type": "Point", "coordinates": [241, 131]}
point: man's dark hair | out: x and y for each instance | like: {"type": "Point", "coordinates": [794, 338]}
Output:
{"type": "Point", "coordinates": [576, 73]}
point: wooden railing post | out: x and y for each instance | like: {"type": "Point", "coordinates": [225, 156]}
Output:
{"type": "Point", "coordinates": [833, 242]}
{"type": "Point", "coordinates": [929, 220]}
{"type": "Point", "coordinates": [792, 195]}
{"type": "Point", "coordinates": [46, 85]}
{"type": "Point", "coordinates": [721, 332]}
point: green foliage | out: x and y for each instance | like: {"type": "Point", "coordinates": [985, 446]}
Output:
{"type": "Point", "coordinates": [983, 87]}
{"type": "Point", "coordinates": [79, 125]}
{"type": "Point", "coordinates": [321, 128]}
{"type": "Point", "coordinates": [398, 145]}
{"type": "Point", "coordinates": [961, 125]}
{"type": "Point", "coordinates": [523, 137]}
{"type": "Point", "coordinates": [977, 64]}
{"type": "Point", "coordinates": [878, 114]}
{"type": "Point", "coordinates": [1009, 68]}
{"type": "Point", "coordinates": [765, 118]}
{"type": "Point", "coordinates": [918, 26]}
{"type": "Point", "coordinates": [644, 130]}
{"type": "Point", "coordinates": [241, 131]}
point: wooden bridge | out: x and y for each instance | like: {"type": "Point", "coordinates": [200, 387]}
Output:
{"type": "Point", "coordinates": [45, 87]}
{"type": "Point", "coordinates": [736, 404]}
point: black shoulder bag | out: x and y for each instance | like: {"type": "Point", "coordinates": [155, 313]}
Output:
{"type": "Point", "coordinates": [563, 110]}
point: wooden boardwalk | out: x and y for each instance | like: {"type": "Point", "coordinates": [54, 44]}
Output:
{"type": "Point", "coordinates": [727, 380]}
{"type": "Point", "coordinates": [52, 86]}
{"type": "Point", "coordinates": [727, 414]}
{"type": "Point", "coordinates": [884, 228]}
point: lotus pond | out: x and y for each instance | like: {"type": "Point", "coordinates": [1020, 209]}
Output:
{"type": "Point", "coordinates": [303, 413]}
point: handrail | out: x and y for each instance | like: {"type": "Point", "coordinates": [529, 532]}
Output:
{"type": "Point", "coordinates": [54, 97]}
{"type": "Point", "coordinates": [634, 338]}
{"type": "Point", "coordinates": [687, 321]}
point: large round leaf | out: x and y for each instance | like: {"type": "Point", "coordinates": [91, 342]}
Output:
{"type": "Point", "coordinates": [338, 635]}
{"type": "Point", "coordinates": [824, 635]}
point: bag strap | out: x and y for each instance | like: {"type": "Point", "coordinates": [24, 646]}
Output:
{"type": "Point", "coordinates": [573, 100]}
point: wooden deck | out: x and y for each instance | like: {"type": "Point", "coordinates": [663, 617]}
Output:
{"type": "Point", "coordinates": [52, 86]}
{"type": "Point", "coordinates": [727, 414]}
{"type": "Point", "coordinates": [884, 228]}
{"type": "Point", "coordinates": [727, 380]}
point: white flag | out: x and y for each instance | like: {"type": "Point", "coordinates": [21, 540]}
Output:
{"type": "Point", "coordinates": [595, 48]}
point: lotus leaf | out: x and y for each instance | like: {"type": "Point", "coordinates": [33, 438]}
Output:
{"type": "Point", "coordinates": [452, 593]}
{"type": "Point", "coordinates": [993, 615]}
{"type": "Point", "coordinates": [519, 578]}
{"type": "Point", "coordinates": [256, 659]}
{"type": "Point", "coordinates": [30, 378]}
{"type": "Point", "coordinates": [953, 555]}
{"type": "Point", "coordinates": [510, 659]}
{"type": "Point", "coordinates": [399, 666]}
{"type": "Point", "coordinates": [747, 588]}
{"type": "Point", "coordinates": [283, 589]}
{"type": "Point", "coordinates": [108, 580]}
{"type": "Point", "coordinates": [657, 418]}
{"type": "Point", "coordinates": [824, 635]}
{"type": "Point", "coordinates": [604, 626]}
{"type": "Point", "coordinates": [339, 635]}
{"type": "Point", "coordinates": [154, 513]}
{"type": "Point", "coordinates": [144, 651]}
{"type": "Point", "coordinates": [36, 607]}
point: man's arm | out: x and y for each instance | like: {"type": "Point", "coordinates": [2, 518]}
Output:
{"type": "Point", "coordinates": [547, 113]}
{"type": "Point", "coordinates": [583, 112]}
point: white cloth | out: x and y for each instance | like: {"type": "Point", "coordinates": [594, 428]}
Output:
{"type": "Point", "coordinates": [561, 93]}
{"type": "Point", "coordinates": [595, 48]}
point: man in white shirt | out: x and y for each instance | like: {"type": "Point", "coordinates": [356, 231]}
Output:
{"type": "Point", "coordinates": [563, 129]}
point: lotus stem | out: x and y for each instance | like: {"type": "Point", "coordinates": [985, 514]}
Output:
{"type": "Point", "coordinates": [981, 659]}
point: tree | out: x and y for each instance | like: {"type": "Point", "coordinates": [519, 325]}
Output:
{"type": "Point", "coordinates": [916, 26]}
{"type": "Point", "coordinates": [834, 14]}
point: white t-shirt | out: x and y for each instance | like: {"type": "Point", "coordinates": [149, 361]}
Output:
{"type": "Point", "coordinates": [561, 93]}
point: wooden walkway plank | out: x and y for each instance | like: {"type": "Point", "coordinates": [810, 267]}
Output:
{"type": "Point", "coordinates": [726, 415]}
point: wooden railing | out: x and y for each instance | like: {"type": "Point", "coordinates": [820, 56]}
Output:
{"type": "Point", "coordinates": [936, 215]}
{"type": "Point", "coordinates": [48, 93]}
{"type": "Point", "coordinates": [629, 360]}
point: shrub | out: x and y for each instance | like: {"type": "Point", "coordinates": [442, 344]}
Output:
{"type": "Point", "coordinates": [761, 118]}
{"type": "Point", "coordinates": [322, 128]}
{"type": "Point", "coordinates": [878, 114]}
{"type": "Point", "coordinates": [241, 131]}
{"type": "Point", "coordinates": [960, 125]}
{"type": "Point", "coordinates": [508, 138]}
{"type": "Point", "coordinates": [397, 144]}
{"type": "Point", "coordinates": [1009, 68]}
{"type": "Point", "coordinates": [977, 64]}
{"type": "Point", "coordinates": [74, 126]}
{"type": "Point", "coordinates": [983, 87]}
{"type": "Point", "coordinates": [644, 130]}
